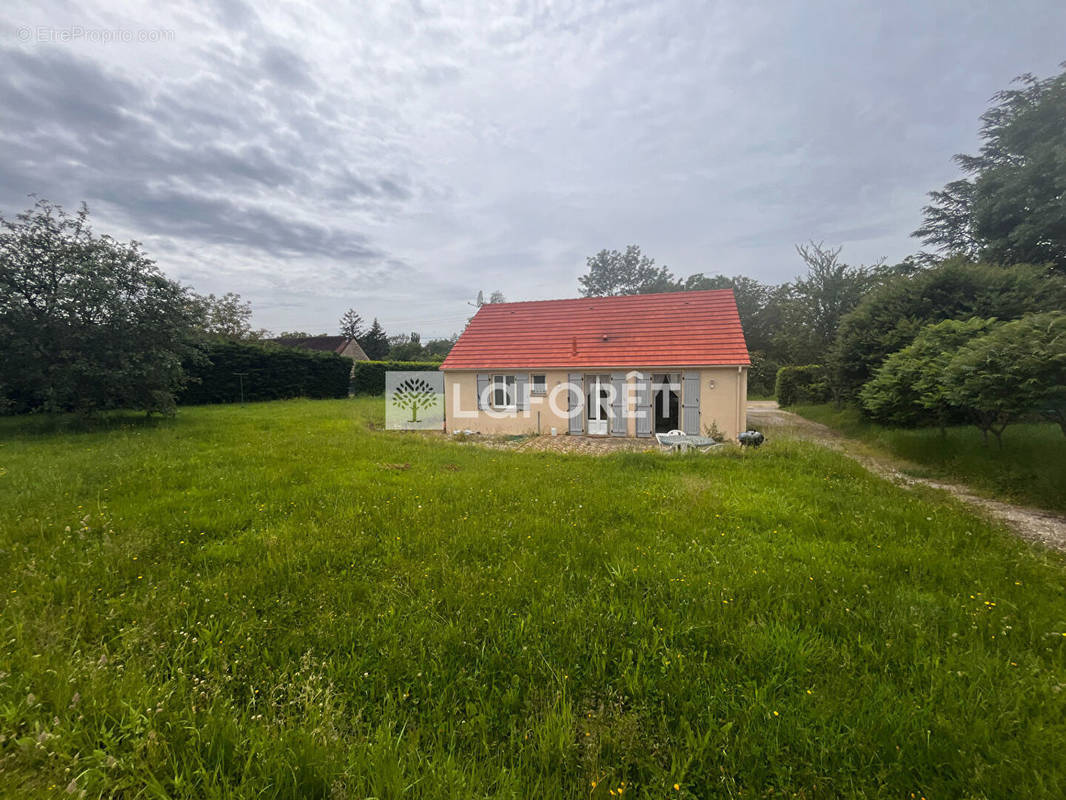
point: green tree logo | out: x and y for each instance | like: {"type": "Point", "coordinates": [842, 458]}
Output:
{"type": "Point", "coordinates": [414, 394]}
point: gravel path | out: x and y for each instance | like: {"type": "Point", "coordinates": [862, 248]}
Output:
{"type": "Point", "coordinates": [1030, 523]}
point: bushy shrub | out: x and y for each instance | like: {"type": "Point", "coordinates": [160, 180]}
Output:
{"type": "Point", "coordinates": [368, 377]}
{"type": "Point", "coordinates": [890, 317]}
{"type": "Point", "coordinates": [269, 373]}
{"type": "Point", "coordinates": [908, 389]}
{"type": "Point", "coordinates": [1016, 368]}
{"type": "Point", "coordinates": [803, 384]}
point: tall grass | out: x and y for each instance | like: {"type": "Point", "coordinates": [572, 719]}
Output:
{"type": "Point", "coordinates": [283, 601]}
{"type": "Point", "coordinates": [1030, 468]}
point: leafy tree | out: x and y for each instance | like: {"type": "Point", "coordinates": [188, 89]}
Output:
{"type": "Point", "coordinates": [374, 342]}
{"type": "Point", "coordinates": [948, 223]}
{"type": "Point", "coordinates": [226, 317]}
{"type": "Point", "coordinates": [891, 315]}
{"type": "Point", "coordinates": [298, 335]}
{"type": "Point", "coordinates": [611, 272]}
{"type": "Point", "coordinates": [1015, 369]}
{"type": "Point", "coordinates": [439, 348]}
{"type": "Point", "coordinates": [405, 348]}
{"type": "Point", "coordinates": [808, 383]}
{"type": "Point", "coordinates": [351, 325]}
{"type": "Point", "coordinates": [1012, 208]}
{"type": "Point", "coordinates": [497, 297]}
{"type": "Point", "coordinates": [908, 389]}
{"type": "Point", "coordinates": [87, 322]}
{"type": "Point", "coordinates": [762, 374]}
{"type": "Point", "coordinates": [814, 304]}
{"type": "Point", "coordinates": [795, 322]}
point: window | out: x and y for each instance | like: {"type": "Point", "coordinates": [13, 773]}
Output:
{"type": "Point", "coordinates": [538, 384]}
{"type": "Point", "coordinates": [503, 391]}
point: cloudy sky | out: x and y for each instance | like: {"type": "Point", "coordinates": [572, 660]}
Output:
{"type": "Point", "coordinates": [399, 156]}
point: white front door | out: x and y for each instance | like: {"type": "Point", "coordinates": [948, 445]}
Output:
{"type": "Point", "coordinates": [597, 403]}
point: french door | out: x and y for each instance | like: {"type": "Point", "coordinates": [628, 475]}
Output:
{"type": "Point", "coordinates": [597, 404]}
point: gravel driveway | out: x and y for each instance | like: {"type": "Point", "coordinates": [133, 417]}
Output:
{"type": "Point", "coordinates": [1030, 523]}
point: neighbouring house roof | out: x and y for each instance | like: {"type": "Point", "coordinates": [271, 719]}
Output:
{"type": "Point", "coordinates": [327, 344]}
{"type": "Point", "coordinates": [671, 329]}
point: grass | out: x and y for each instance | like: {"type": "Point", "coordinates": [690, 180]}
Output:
{"type": "Point", "coordinates": [284, 601]}
{"type": "Point", "coordinates": [1030, 468]}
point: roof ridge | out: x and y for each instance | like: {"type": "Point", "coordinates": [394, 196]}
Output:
{"type": "Point", "coordinates": [608, 297]}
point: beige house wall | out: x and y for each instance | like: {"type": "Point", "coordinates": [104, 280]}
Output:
{"type": "Point", "coordinates": [723, 402]}
{"type": "Point", "coordinates": [461, 412]}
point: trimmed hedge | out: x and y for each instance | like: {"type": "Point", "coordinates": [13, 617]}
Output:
{"type": "Point", "coordinates": [805, 384]}
{"type": "Point", "coordinates": [272, 373]}
{"type": "Point", "coordinates": [368, 377]}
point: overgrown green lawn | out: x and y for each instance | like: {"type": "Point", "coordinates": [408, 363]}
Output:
{"type": "Point", "coordinates": [1030, 468]}
{"type": "Point", "coordinates": [269, 602]}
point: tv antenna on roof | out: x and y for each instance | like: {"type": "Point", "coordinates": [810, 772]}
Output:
{"type": "Point", "coordinates": [480, 300]}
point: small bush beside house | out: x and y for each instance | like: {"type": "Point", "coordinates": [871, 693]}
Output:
{"type": "Point", "coordinates": [368, 377]}
{"type": "Point", "coordinates": [269, 373]}
{"type": "Point", "coordinates": [804, 384]}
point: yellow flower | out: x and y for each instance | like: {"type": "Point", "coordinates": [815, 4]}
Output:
{"type": "Point", "coordinates": [776, 714]}
{"type": "Point", "coordinates": [677, 787]}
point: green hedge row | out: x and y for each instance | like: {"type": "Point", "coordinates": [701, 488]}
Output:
{"type": "Point", "coordinates": [805, 384]}
{"type": "Point", "coordinates": [368, 377]}
{"type": "Point", "coordinates": [271, 373]}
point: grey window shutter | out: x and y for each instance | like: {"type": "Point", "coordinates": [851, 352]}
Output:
{"type": "Point", "coordinates": [482, 389]}
{"type": "Point", "coordinates": [521, 390]}
{"type": "Point", "coordinates": [690, 403]}
{"type": "Point", "coordinates": [577, 403]}
{"type": "Point", "coordinates": [643, 398]}
{"type": "Point", "coordinates": [618, 408]}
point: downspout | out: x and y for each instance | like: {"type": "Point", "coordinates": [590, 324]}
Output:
{"type": "Point", "coordinates": [740, 394]}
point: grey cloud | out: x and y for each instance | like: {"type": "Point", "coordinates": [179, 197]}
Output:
{"type": "Point", "coordinates": [440, 74]}
{"type": "Point", "coordinates": [223, 221]}
{"type": "Point", "coordinates": [284, 66]}
{"type": "Point", "coordinates": [171, 162]}
{"type": "Point", "coordinates": [57, 90]}
{"type": "Point", "coordinates": [234, 14]}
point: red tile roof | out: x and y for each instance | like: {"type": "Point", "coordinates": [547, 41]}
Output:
{"type": "Point", "coordinates": [679, 329]}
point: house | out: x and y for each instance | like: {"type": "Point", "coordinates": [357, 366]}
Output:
{"type": "Point", "coordinates": [620, 366]}
{"type": "Point", "coordinates": [341, 345]}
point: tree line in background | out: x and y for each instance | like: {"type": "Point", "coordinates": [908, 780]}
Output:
{"type": "Point", "coordinates": [971, 331]}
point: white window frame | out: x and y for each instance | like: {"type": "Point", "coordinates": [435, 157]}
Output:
{"type": "Point", "coordinates": [508, 385]}
{"type": "Point", "coordinates": [538, 387]}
